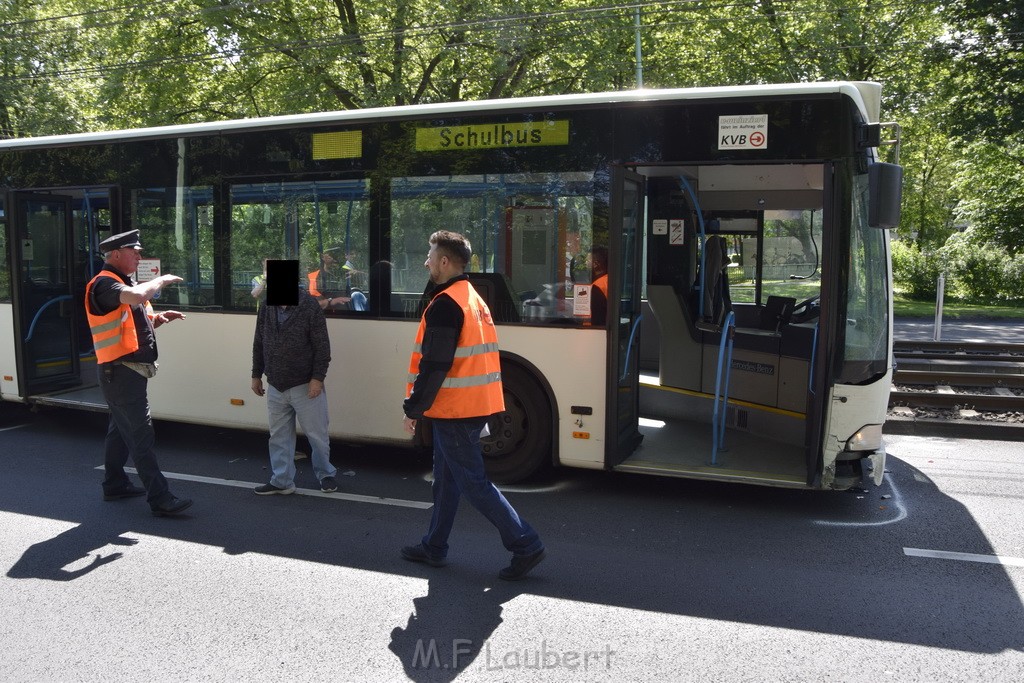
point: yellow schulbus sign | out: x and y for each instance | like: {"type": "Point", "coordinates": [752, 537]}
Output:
{"type": "Point", "coordinates": [341, 145]}
{"type": "Point", "coordinates": [493, 136]}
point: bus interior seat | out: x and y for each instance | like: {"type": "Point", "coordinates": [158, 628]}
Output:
{"type": "Point", "coordinates": [717, 301]}
{"type": "Point", "coordinates": [358, 300]}
{"type": "Point", "coordinates": [496, 291]}
{"type": "Point", "coordinates": [776, 313]}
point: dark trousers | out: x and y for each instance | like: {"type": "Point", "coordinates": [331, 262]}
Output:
{"type": "Point", "coordinates": [459, 472]}
{"type": "Point", "coordinates": [130, 433]}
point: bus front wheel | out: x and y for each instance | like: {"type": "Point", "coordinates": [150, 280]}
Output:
{"type": "Point", "coordinates": [520, 440]}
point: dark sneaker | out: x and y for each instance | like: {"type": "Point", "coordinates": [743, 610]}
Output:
{"type": "Point", "coordinates": [129, 491]}
{"type": "Point", "coordinates": [416, 553]}
{"type": "Point", "coordinates": [328, 485]}
{"type": "Point", "coordinates": [269, 490]}
{"type": "Point", "coordinates": [172, 506]}
{"type": "Point", "coordinates": [521, 566]}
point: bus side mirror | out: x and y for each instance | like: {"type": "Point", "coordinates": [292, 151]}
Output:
{"type": "Point", "coordinates": [885, 194]}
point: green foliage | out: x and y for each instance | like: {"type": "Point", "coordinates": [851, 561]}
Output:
{"type": "Point", "coordinates": [952, 70]}
{"type": "Point", "coordinates": [972, 268]}
{"type": "Point", "coordinates": [990, 181]}
{"type": "Point", "coordinates": [914, 272]}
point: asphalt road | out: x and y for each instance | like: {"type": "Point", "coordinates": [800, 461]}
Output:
{"type": "Point", "coordinates": [648, 579]}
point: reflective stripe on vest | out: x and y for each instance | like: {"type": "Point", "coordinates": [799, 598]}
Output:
{"type": "Point", "coordinates": [113, 334]}
{"type": "Point", "coordinates": [472, 387]}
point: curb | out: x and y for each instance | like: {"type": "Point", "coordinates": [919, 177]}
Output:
{"type": "Point", "coordinates": [959, 429]}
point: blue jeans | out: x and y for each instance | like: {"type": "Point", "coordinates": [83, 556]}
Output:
{"type": "Point", "coordinates": [459, 471]}
{"type": "Point", "coordinates": [283, 408]}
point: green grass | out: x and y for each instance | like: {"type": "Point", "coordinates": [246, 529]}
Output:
{"type": "Point", "coordinates": [953, 310]}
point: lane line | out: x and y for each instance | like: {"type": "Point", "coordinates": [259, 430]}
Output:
{"type": "Point", "coordinates": [7, 429]}
{"type": "Point", "coordinates": [316, 493]}
{"type": "Point", "coordinates": [965, 557]}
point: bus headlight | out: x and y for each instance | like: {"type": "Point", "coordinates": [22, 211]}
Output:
{"type": "Point", "coordinates": [867, 438]}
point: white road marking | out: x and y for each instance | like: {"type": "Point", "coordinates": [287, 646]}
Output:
{"type": "Point", "coordinates": [965, 557]}
{"type": "Point", "coordinates": [6, 429]}
{"type": "Point", "coordinates": [354, 497]}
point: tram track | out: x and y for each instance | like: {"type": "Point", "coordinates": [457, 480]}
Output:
{"type": "Point", "coordinates": [958, 387]}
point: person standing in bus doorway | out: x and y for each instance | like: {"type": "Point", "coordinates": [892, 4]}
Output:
{"type": "Point", "coordinates": [455, 379]}
{"type": "Point", "coordinates": [597, 260]}
{"type": "Point", "coordinates": [328, 283]}
{"type": "Point", "coordinates": [122, 321]}
{"type": "Point", "coordinates": [292, 349]}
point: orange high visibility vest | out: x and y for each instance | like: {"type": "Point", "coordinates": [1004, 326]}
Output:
{"type": "Point", "coordinates": [113, 334]}
{"type": "Point", "coordinates": [473, 385]}
{"type": "Point", "coordinates": [313, 277]}
{"type": "Point", "coordinates": [601, 283]}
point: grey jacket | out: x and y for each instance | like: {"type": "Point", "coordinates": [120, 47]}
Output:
{"type": "Point", "coordinates": [293, 350]}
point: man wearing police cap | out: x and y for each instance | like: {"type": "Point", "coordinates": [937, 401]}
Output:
{"type": "Point", "coordinates": [122, 321]}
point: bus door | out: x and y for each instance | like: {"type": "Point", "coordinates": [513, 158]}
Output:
{"type": "Point", "coordinates": [625, 232]}
{"type": "Point", "coordinates": [45, 314]}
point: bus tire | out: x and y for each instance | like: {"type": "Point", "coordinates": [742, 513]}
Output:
{"type": "Point", "coordinates": [519, 444]}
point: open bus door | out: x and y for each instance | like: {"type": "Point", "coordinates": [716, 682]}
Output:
{"type": "Point", "coordinates": [45, 314]}
{"type": "Point", "coordinates": [625, 232]}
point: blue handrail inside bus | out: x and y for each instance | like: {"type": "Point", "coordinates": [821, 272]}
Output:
{"type": "Point", "coordinates": [703, 251]}
{"type": "Point", "coordinates": [718, 419]}
{"type": "Point", "coordinates": [35, 318]}
{"type": "Point", "coordinates": [629, 346]}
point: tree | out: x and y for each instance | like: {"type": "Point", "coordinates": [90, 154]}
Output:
{"type": "Point", "coordinates": [34, 55]}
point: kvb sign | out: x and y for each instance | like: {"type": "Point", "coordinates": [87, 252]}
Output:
{"type": "Point", "coordinates": [743, 132]}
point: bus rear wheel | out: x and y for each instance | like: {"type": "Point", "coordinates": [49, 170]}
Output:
{"type": "Point", "coordinates": [520, 441]}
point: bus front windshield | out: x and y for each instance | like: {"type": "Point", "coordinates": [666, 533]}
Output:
{"type": "Point", "coordinates": [865, 352]}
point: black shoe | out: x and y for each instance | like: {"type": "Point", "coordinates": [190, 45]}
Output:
{"type": "Point", "coordinates": [416, 553]}
{"type": "Point", "coordinates": [328, 485]}
{"type": "Point", "coordinates": [129, 491]}
{"type": "Point", "coordinates": [173, 506]}
{"type": "Point", "coordinates": [269, 489]}
{"type": "Point", "coordinates": [521, 566]}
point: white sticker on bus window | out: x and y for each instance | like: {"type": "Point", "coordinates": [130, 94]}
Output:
{"type": "Point", "coordinates": [581, 300]}
{"type": "Point", "coordinates": [149, 269]}
{"type": "Point", "coordinates": [659, 226]}
{"type": "Point", "coordinates": [743, 132]}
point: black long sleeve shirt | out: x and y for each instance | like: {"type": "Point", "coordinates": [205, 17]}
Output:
{"type": "Point", "coordinates": [444, 319]}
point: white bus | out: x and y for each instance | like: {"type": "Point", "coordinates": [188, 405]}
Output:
{"type": "Point", "coordinates": [748, 333]}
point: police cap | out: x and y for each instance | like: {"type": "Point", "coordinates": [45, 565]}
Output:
{"type": "Point", "coordinates": [122, 240]}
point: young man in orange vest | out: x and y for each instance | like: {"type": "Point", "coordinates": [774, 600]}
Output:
{"type": "Point", "coordinates": [455, 379]}
{"type": "Point", "coordinates": [122, 321]}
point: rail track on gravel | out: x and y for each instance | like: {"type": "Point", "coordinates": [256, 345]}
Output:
{"type": "Point", "coordinates": [958, 382]}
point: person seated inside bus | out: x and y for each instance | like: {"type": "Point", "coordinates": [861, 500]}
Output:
{"type": "Point", "coordinates": [597, 261]}
{"type": "Point", "coordinates": [259, 286]}
{"type": "Point", "coordinates": [328, 284]}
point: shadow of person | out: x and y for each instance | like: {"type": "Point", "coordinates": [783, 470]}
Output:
{"type": "Point", "coordinates": [447, 628]}
{"type": "Point", "coordinates": [51, 558]}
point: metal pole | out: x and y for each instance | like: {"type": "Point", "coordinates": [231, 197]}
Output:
{"type": "Point", "coordinates": [639, 54]}
{"type": "Point", "coordinates": [940, 293]}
